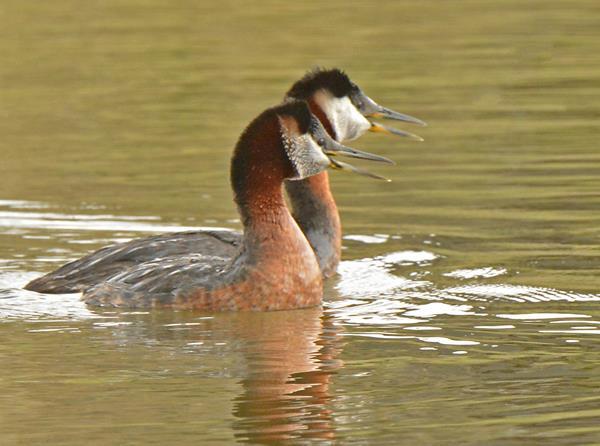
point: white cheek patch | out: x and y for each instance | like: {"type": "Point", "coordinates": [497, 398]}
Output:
{"type": "Point", "coordinates": [305, 155]}
{"type": "Point", "coordinates": [348, 123]}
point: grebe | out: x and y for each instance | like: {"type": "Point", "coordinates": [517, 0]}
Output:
{"type": "Point", "coordinates": [276, 268]}
{"type": "Point", "coordinates": [341, 106]}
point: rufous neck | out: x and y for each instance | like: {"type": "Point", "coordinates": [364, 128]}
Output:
{"type": "Point", "coordinates": [316, 110]}
{"type": "Point", "coordinates": [258, 168]}
{"type": "Point", "coordinates": [261, 205]}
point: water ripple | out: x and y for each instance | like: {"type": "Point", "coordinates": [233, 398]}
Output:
{"type": "Point", "coordinates": [520, 293]}
{"type": "Point", "coordinates": [477, 273]}
{"type": "Point", "coordinates": [381, 291]}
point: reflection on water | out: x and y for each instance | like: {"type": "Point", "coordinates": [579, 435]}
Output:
{"type": "Point", "coordinates": [286, 392]}
{"type": "Point", "coordinates": [466, 308]}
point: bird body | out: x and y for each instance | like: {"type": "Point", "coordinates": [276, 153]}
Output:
{"type": "Point", "coordinates": [330, 96]}
{"type": "Point", "coordinates": [275, 268]}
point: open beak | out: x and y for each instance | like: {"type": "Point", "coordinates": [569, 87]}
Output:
{"type": "Point", "coordinates": [332, 148]}
{"type": "Point", "coordinates": [371, 109]}
{"type": "Point", "coordinates": [386, 113]}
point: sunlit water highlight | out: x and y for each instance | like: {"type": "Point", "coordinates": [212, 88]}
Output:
{"type": "Point", "coordinates": [369, 299]}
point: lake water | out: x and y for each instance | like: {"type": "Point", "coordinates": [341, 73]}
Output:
{"type": "Point", "coordinates": [467, 308]}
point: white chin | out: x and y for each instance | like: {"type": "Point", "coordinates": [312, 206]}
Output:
{"type": "Point", "coordinates": [346, 120]}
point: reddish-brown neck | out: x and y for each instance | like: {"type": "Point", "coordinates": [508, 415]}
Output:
{"type": "Point", "coordinates": [258, 168]}
{"type": "Point", "coordinates": [276, 268]}
{"type": "Point", "coordinates": [319, 113]}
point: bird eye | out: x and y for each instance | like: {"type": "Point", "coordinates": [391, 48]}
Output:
{"type": "Point", "coordinates": [321, 141]}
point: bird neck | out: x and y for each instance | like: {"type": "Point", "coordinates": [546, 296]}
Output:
{"type": "Point", "coordinates": [315, 211]}
{"type": "Point", "coordinates": [258, 169]}
{"type": "Point", "coordinates": [275, 254]}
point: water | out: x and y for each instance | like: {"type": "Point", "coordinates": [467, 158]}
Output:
{"type": "Point", "coordinates": [467, 309]}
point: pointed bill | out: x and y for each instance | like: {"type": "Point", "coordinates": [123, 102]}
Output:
{"type": "Point", "coordinates": [342, 150]}
{"type": "Point", "coordinates": [386, 113]}
{"type": "Point", "coordinates": [331, 147]}
{"type": "Point", "coordinates": [368, 107]}
{"type": "Point", "coordinates": [340, 165]}
{"type": "Point", "coordinates": [380, 128]}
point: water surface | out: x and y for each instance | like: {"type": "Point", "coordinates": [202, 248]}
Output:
{"type": "Point", "coordinates": [466, 310]}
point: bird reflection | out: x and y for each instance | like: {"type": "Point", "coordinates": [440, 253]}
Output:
{"type": "Point", "coordinates": [291, 357]}
{"type": "Point", "coordinates": [284, 375]}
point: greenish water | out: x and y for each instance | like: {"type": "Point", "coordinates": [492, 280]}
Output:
{"type": "Point", "coordinates": [467, 309]}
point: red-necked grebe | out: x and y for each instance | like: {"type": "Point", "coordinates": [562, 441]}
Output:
{"type": "Point", "coordinates": [276, 268]}
{"type": "Point", "coordinates": [341, 106]}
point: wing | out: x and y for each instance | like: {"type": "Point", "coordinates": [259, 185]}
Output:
{"type": "Point", "coordinates": [107, 262]}
{"type": "Point", "coordinates": [159, 282]}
